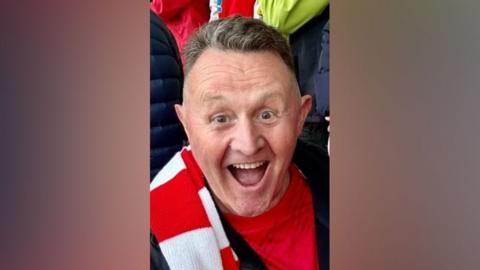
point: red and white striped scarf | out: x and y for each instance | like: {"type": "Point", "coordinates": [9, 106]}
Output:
{"type": "Point", "coordinates": [184, 219]}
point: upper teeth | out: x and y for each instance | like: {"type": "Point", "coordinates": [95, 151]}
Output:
{"type": "Point", "coordinates": [252, 165]}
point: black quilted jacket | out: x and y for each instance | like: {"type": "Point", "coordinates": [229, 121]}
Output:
{"type": "Point", "coordinates": [166, 82]}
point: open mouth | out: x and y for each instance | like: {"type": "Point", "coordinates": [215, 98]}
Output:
{"type": "Point", "coordinates": [248, 174]}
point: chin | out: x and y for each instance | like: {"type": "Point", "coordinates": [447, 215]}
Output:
{"type": "Point", "coordinates": [251, 209]}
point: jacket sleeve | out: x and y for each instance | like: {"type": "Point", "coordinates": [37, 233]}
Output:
{"type": "Point", "coordinates": [157, 260]}
{"type": "Point", "coordinates": [289, 15]}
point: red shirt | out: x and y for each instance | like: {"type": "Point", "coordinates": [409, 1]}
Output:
{"type": "Point", "coordinates": [284, 236]}
{"type": "Point", "coordinates": [237, 7]}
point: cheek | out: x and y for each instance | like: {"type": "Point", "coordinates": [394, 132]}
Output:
{"type": "Point", "coordinates": [209, 149]}
{"type": "Point", "coordinates": [198, 135]}
{"type": "Point", "coordinates": [290, 128]}
{"type": "Point", "coordinates": [282, 140]}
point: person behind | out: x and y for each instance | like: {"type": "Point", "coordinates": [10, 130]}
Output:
{"type": "Point", "coordinates": [233, 198]}
{"type": "Point", "coordinates": [182, 17]}
{"type": "Point", "coordinates": [305, 22]}
{"type": "Point", "coordinates": [166, 82]}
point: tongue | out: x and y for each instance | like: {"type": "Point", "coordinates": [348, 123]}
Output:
{"type": "Point", "coordinates": [248, 177]}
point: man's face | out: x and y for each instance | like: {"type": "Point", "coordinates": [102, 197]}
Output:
{"type": "Point", "coordinates": [242, 116]}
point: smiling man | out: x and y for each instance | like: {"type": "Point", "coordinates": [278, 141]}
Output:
{"type": "Point", "coordinates": [233, 199]}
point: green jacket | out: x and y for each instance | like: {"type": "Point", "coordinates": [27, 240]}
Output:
{"type": "Point", "coordinates": [289, 15]}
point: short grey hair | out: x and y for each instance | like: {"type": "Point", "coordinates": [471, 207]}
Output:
{"type": "Point", "coordinates": [237, 34]}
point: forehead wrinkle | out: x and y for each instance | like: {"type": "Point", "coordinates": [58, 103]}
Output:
{"type": "Point", "coordinates": [236, 71]}
{"type": "Point", "coordinates": [212, 78]}
{"type": "Point", "coordinates": [201, 82]}
{"type": "Point", "coordinates": [222, 75]}
{"type": "Point", "coordinates": [222, 90]}
{"type": "Point", "coordinates": [212, 88]}
{"type": "Point", "coordinates": [239, 78]}
{"type": "Point", "coordinates": [213, 69]}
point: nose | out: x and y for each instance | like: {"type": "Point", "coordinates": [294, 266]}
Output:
{"type": "Point", "coordinates": [246, 139]}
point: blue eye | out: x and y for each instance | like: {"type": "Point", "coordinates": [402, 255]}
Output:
{"type": "Point", "coordinates": [267, 116]}
{"type": "Point", "coordinates": [220, 119]}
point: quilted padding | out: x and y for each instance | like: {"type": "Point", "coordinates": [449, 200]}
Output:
{"type": "Point", "coordinates": [166, 82]}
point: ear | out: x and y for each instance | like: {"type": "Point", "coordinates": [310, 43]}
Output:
{"type": "Point", "coordinates": [305, 107]}
{"type": "Point", "coordinates": [179, 109]}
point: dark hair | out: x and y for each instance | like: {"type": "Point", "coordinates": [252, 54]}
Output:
{"type": "Point", "coordinates": [237, 34]}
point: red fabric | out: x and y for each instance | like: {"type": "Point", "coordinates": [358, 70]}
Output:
{"type": "Point", "coordinates": [270, 234]}
{"type": "Point", "coordinates": [182, 17]}
{"type": "Point", "coordinates": [228, 260]}
{"type": "Point", "coordinates": [186, 214]}
{"type": "Point", "coordinates": [196, 175]}
{"type": "Point", "coordinates": [237, 7]}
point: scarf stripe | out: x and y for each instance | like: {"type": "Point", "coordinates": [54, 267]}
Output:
{"type": "Point", "coordinates": [184, 219]}
{"type": "Point", "coordinates": [194, 250]}
{"type": "Point", "coordinates": [213, 217]}
{"type": "Point", "coordinates": [169, 171]}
